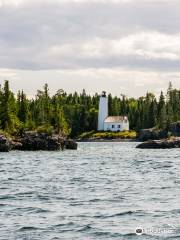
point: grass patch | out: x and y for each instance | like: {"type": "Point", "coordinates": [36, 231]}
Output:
{"type": "Point", "coordinates": [108, 135]}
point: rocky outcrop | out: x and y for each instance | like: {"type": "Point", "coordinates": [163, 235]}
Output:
{"type": "Point", "coordinates": [151, 134]}
{"type": "Point", "coordinates": [156, 134]}
{"type": "Point", "coordinates": [4, 144]}
{"type": "Point", "coordinates": [160, 144]}
{"type": "Point", "coordinates": [16, 145]}
{"type": "Point", "coordinates": [34, 141]}
{"type": "Point", "coordinates": [174, 129]}
{"type": "Point", "coordinates": [70, 144]}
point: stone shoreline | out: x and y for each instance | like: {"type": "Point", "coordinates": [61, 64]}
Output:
{"type": "Point", "coordinates": [161, 144]}
{"type": "Point", "coordinates": [33, 141]}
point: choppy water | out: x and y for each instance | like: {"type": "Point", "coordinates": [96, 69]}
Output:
{"type": "Point", "coordinates": [101, 191]}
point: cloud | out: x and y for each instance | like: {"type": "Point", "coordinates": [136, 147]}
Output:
{"type": "Point", "coordinates": [7, 73]}
{"type": "Point", "coordinates": [22, 2]}
{"type": "Point", "coordinates": [140, 36]}
{"type": "Point", "coordinates": [144, 44]}
{"type": "Point", "coordinates": [140, 50]}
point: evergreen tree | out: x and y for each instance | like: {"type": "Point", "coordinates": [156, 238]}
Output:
{"type": "Point", "coordinates": [5, 108]}
{"type": "Point", "coordinates": [78, 113]}
{"type": "Point", "coordinates": [153, 114]}
{"type": "Point", "coordinates": [162, 117]}
{"type": "Point", "coordinates": [22, 107]}
{"type": "Point", "coordinates": [110, 105]}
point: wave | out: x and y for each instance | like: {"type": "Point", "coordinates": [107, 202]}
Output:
{"type": "Point", "coordinates": [113, 235]}
{"type": "Point", "coordinates": [32, 210]}
{"type": "Point", "coordinates": [118, 214]}
{"type": "Point", "coordinates": [85, 228]}
{"type": "Point", "coordinates": [29, 228]}
{"type": "Point", "coordinates": [63, 225]}
{"type": "Point", "coordinates": [7, 197]}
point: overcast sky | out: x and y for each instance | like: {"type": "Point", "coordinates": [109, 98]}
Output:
{"type": "Point", "coordinates": [121, 46]}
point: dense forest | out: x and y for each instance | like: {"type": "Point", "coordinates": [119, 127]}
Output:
{"type": "Point", "coordinates": [73, 114]}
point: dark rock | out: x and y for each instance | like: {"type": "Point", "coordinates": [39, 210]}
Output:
{"type": "Point", "coordinates": [4, 144]}
{"type": "Point", "coordinates": [16, 145]}
{"type": "Point", "coordinates": [160, 144]}
{"type": "Point", "coordinates": [70, 144]}
{"type": "Point", "coordinates": [151, 134]}
{"type": "Point", "coordinates": [33, 141]}
{"type": "Point", "coordinates": [156, 134]}
{"type": "Point", "coordinates": [174, 129]}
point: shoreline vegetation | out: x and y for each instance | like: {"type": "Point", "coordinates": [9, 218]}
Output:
{"type": "Point", "coordinates": [96, 136]}
{"type": "Point", "coordinates": [75, 115]}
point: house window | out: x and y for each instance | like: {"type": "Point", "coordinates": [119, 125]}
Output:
{"type": "Point", "coordinates": [118, 126]}
{"type": "Point", "coordinates": [113, 126]}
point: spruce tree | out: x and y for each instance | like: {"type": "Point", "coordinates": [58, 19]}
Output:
{"type": "Point", "coordinates": [162, 117]}
{"type": "Point", "coordinates": [5, 108]}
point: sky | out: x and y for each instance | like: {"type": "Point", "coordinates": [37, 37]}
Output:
{"type": "Point", "coordinates": [120, 46]}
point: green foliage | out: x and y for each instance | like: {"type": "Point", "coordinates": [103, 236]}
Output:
{"type": "Point", "coordinates": [112, 135]}
{"type": "Point", "coordinates": [30, 125]}
{"type": "Point", "coordinates": [22, 107]}
{"type": "Point", "coordinates": [87, 134]}
{"type": "Point", "coordinates": [74, 114]}
{"type": "Point", "coordinates": [109, 135]}
{"type": "Point", "coordinates": [4, 133]}
{"type": "Point", "coordinates": [45, 129]}
{"type": "Point", "coordinates": [9, 120]}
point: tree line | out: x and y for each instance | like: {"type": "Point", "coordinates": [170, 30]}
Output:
{"type": "Point", "coordinates": [75, 113]}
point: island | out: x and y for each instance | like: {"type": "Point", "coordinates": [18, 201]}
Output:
{"type": "Point", "coordinates": [56, 121]}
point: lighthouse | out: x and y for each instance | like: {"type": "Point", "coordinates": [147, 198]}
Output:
{"type": "Point", "coordinates": [103, 111]}
{"type": "Point", "coordinates": [110, 123]}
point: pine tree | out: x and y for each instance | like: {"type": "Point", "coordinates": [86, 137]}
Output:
{"type": "Point", "coordinates": [162, 117]}
{"type": "Point", "coordinates": [110, 105]}
{"type": "Point", "coordinates": [5, 108]}
{"type": "Point", "coordinates": [153, 114]}
{"type": "Point", "coordinates": [22, 107]}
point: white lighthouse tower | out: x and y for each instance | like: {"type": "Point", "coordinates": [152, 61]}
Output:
{"type": "Point", "coordinates": [103, 111]}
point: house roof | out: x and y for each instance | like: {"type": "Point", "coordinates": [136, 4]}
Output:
{"type": "Point", "coordinates": [113, 119]}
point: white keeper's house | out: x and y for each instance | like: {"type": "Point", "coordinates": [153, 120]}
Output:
{"type": "Point", "coordinates": [110, 123]}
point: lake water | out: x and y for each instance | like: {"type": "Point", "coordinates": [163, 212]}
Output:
{"type": "Point", "coordinates": [100, 191]}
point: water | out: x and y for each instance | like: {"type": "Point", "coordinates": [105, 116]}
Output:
{"type": "Point", "coordinates": [101, 191]}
